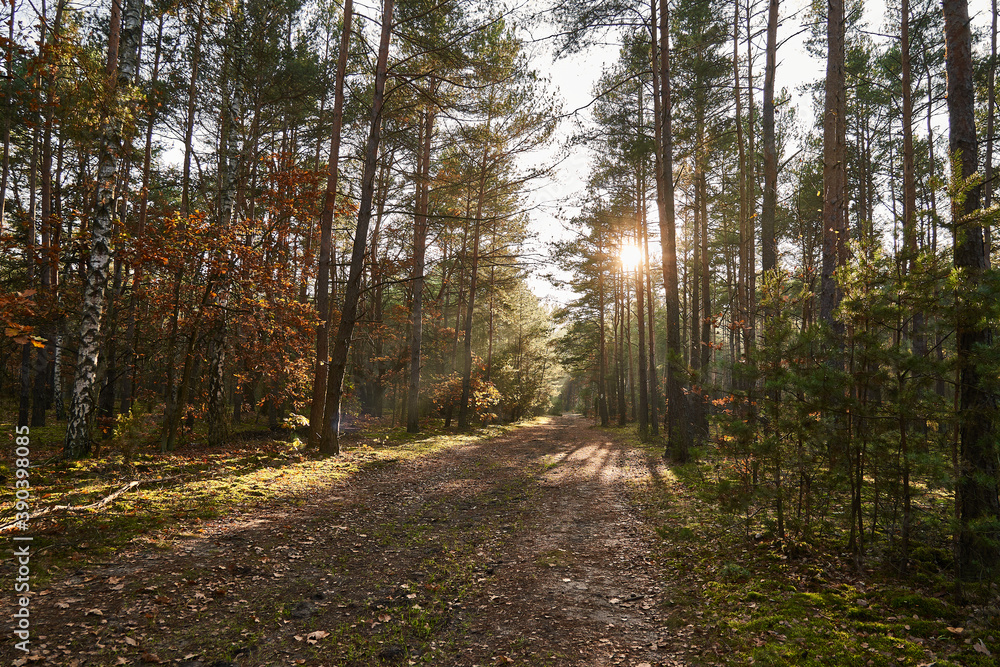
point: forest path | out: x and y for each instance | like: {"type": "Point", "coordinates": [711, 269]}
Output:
{"type": "Point", "coordinates": [524, 549]}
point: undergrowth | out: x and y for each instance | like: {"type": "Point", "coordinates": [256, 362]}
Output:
{"type": "Point", "coordinates": [801, 602]}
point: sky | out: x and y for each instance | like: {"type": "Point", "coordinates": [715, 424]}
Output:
{"type": "Point", "coordinates": [573, 79]}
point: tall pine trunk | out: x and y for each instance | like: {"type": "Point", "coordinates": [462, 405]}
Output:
{"type": "Point", "coordinates": [909, 256]}
{"type": "Point", "coordinates": [769, 248]}
{"type": "Point", "coordinates": [602, 354]}
{"type": "Point", "coordinates": [229, 165]}
{"type": "Point", "coordinates": [132, 331]}
{"type": "Point", "coordinates": [977, 476]}
{"type": "Point", "coordinates": [318, 424]}
{"type": "Point", "coordinates": [419, 248]}
{"type": "Point", "coordinates": [640, 311]}
{"type": "Point", "coordinates": [173, 391]}
{"type": "Point", "coordinates": [463, 406]}
{"type": "Point", "coordinates": [988, 185]}
{"type": "Point", "coordinates": [678, 432]}
{"type": "Point", "coordinates": [330, 443]}
{"type": "Point", "coordinates": [834, 165]}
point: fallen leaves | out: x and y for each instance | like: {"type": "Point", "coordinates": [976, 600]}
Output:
{"type": "Point", "coordinates": [312, 637]}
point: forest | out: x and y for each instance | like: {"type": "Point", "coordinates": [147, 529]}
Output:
{"type": "Point", "coordinates": [221, 219]}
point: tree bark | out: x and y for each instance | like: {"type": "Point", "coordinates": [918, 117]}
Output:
{"type": "Point", "coordinates": [419, 248]}
{"type": "Point", "coordinates": [677, 414]}
{"type": "Point", "coordinates": [706, 302]}
{"type": "Point", "coordinates": [640, 311]}
{"type": "Point", "coordinates": [602, 363]}
{"type": "Point", "coordinates": [173, 394]}
{"type": "Point", "coordinates": [654, 383]}
{"type": "Point", "coordinates": [769, 248]}
{"type": "Point", "coordinates": [132, 332]}
{"type": "Point", "coordinates": [463, 406]}
{"type": "Point", "coordinates": [192, 98]}
{"type": "Point", "coordinates": [77, 443]}
{"type": "Point", "coordinates": [9, 57]}
{"type": "Point", "coordinates": [743, 294]}
{"type": "Point", "coordinates": [330, 443]}
{"type": "Point", "coordinates": [988, 186]}
{"type": "Point", "coordinates": [834, 165]}
{"type": "Point", "coordinates": [229, 166]}
{"type": "Point", "coordinates": [318, 424]}
{"type": "Point", "coordinates": [977, 476]}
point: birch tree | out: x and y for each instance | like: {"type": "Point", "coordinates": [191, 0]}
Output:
{"type": "Point", "coordinates": [123, 53]}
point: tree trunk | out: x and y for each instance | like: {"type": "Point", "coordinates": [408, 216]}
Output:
{"type": "Point", "coordinates": [988, 186]}
{"type": "Point", "coordinates": [977, 482]}
{"type": "Point", "coordinates": [706, 302]}
{"type": "Point", "coordinates": [463, 406]}
{"type": "Point", "coordinates": [419, 247]}
{"type": "Point", "coordinates": [77, 443]}
{"type": "Point", "coordinates": [132, 331]}
{"type": "Point", "coordinates": [192, 98]}
{"type": "Point", "coordinates": [769, 248]}
{"type": "Point", "coordinates": [834, 165]}
{"type": "Point", "coordinates": [318, 424]}
{"type": "Point", "coordinates": [743, 292]}
{"type": "Point", "coordinates": [909, 258]}
{"type": "Point", "coordinates": [330, 443]}
{"type": "Point", "coordinates": [40, 396]}
{"type": "Point", "coordinates": [8, 116]}
{"type": "Point", "coordinates": [621, 363]}
{"type": "Point", "coordinates": [172, 392]}
{"type": "Point", "coordinates": [677, 413]}
{"type": "Point", "coordinates": [49, 270]}
{"type": "Point", "coordinates": [229, 165]}
{"type": "Point", "coordinates": [654, 383]}
{"type": "Point", "coordinates": [640, 311]}
{"type": "Point", "coordinates": [602, 365]}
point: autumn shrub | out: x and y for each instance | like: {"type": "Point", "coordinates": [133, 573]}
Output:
{"type": "Point", "coordinates": [294, 423]}
{"type": "Point", "coordinates": [132, 431]}
{"type": "Point", "coordinates": [484, 397]}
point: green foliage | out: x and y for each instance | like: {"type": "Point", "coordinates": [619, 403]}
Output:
{"type": "Point", "coordinates": [133, 431]}
{"type": "Point", "coordinates": [854, 427]}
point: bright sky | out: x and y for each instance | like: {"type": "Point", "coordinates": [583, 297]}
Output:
{"type": "Point", "coordinates": [573, 80]}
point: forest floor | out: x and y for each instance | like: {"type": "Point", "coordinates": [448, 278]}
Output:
{"type": "Point", "coordinates": [552, 543]}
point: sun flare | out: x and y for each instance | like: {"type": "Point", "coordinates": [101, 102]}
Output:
{"type": "Point", "coordinates": [631, 255]}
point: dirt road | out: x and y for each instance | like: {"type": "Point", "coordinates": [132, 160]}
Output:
{"type": "Point", "coordinates": [526, 549]}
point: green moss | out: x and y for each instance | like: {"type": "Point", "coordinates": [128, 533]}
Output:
{"type": "Point", "coordinates": [914, 603]}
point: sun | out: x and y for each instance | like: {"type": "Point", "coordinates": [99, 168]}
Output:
{"type": "Point", "coordinates": [631, 256]}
